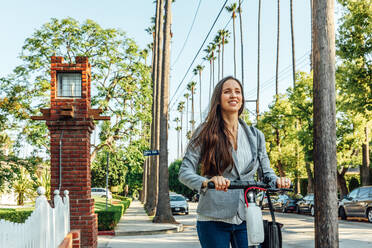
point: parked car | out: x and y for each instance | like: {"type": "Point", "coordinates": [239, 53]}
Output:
{"type": "Point", "coordinates": [280, 201]}
{"type": "Point", "coordinates": [100, 192]}
{"type": "Point", "coordinates": [178, 204]}
{"type": "Point", "coordinates": [262, 202]}
{"type": "Point", "coordinates": [306, 204]}
{"type": "Point", "coordinates": [358, 203]}
{"type": "Point", "coordinates": [287, 202]}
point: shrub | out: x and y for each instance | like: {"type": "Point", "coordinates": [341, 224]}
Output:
{"type": "Point", "coordinates": [15, 215]}
{"type": "Point", "coordinates": [174, 184]}
{"type": "Point", "coordinates": [108, 219]}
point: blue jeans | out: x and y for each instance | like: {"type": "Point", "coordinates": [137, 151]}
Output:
{"type": "Point", "coordinates": [216, 234]}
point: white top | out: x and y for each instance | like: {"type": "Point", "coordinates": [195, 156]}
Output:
{"type": "Point", "coordinates": [244, 156]}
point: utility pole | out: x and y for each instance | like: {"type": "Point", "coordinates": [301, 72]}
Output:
{"type": "Point", "coordinates": [258, 61]}
{"type": "Point", "coordinates": [325, 159]}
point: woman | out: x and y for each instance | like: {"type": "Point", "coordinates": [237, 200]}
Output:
{"type": "Point", "coordinates": [227, 149]}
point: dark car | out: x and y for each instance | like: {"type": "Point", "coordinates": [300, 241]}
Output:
{"type": "Point", "coordinates": [178, 204]}
{"type": "Point", "coordinates": [358, 203]}
{"type": "Point", "coordinates": [306, 204]}
{"type": "Point", "coordinates": [285, 203]}
{"type": "Point", "coordinates": [290, 203]}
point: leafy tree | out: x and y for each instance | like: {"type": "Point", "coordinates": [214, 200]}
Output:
{"type": "Point", "coordinates": [354, 73]}
{"type": "Point", "coordinates": [120, 78]}
{"type": "Point", "coordinates": [174, 184]}
{"type": "Point", "coordinates": [301, 99]}
{"type": "Point", "coordinates": [279, 127]}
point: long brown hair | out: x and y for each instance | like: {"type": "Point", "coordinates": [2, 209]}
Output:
{"type": "Point", "coordinates": [213, 138]}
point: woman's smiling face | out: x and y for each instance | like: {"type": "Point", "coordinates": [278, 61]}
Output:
{"type": "Point", "coordinates": [231, 96]}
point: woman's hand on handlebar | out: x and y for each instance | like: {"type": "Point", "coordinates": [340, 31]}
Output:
{"type": "Point", "coordinates": [220, 183]}
{"type": "Point", "coordinates": [283, 182]}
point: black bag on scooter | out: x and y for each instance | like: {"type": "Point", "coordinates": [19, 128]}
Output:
{"type": "Point", "coordinates": [272, 229]}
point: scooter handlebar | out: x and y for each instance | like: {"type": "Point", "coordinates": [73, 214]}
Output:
{"type": "Point", "coordinates": [250, 183]}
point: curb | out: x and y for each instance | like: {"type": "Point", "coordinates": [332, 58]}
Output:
{"type": "Point", "coordinates": [177, 228]}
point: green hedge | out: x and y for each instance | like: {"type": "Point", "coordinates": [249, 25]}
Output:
{"type": "Point", "coordinates": [122, 198]}
{"type": "Point", "coordinates": [108, 219]}
{"type": "Point", "coordinates": [15, 215]}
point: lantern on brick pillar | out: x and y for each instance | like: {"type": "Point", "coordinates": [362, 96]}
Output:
{"type": "Point", "coordinates": [70, 123]}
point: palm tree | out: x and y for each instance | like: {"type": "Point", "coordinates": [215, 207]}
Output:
{"type": "Point", "coordinates": [218, 41]}
{"type": "Point", "coordinates": [198, 71]}
{"type": "Point", "coordinates": [23, 186]}
{"type": "Point", "coordinates": [224, 34]}
{"type": "Point", "coordinates": [241, 39]}
{"type": "Point", "coordinates": [191, 88]}
{"type": "Point", "coordinates": [258, 62]}
{"type": "Point", "coordinates": [178, 129]}
{"type": "Point", "coordinates": [277, 54]}
{"type": "Point", "coordinates": [163, 210]}
{"type": "Point", "coordinates": [187, 96]}
{"type": "Point", "coordinates": [293, 46]}
{"type": "Point", "coordinates": [152, 192]}
{"type": "Point", "coordinates": [181, 108]}
{"type": "Point", "coordinates": [210, 57]}
{"type": "Point", "coordinates": [232, 9]}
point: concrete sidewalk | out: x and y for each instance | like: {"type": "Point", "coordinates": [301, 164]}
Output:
{"type": "Point", "coordinates": [135, 222]}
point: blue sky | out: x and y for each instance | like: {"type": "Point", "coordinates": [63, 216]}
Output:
{"type": "Point", "coordinates": [20, 18]}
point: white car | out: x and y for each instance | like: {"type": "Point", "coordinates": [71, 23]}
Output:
{"type": "Point", "coordinates": [178, 204]}
{"type": "Point", "coordinates": [100, 192]}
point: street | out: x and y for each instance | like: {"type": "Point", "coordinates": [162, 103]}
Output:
{"type": "Point", "coordinates": [298, 232]}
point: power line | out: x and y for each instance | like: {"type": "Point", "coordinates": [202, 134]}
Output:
{"type": "Point", "coordinates": [227, 24]}
{"type": "Point", "coordinates": [187, 37]}
{"type": "Point", "coordinates": [210, 30]}
{"type": "Point", "coordinates": [281, 73]}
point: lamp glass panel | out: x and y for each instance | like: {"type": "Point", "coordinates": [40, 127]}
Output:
{"type": "Point", "coordinates": [69, 85]}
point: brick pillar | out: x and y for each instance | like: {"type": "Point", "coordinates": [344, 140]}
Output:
{"type": "Point", "coordinates": [70, 127]}
{"type": "Point", "coordinates": [75, 168]}
{"type": "Point", "coordinates": [70, 122]}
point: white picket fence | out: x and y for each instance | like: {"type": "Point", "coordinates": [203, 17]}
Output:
{"type": "Point", "coordinates": [45, 228]}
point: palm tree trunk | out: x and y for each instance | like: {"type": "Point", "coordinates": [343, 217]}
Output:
{"type": "Point", "coordinates": [258, 62]}
{"type": "Point", "coordinates": [163, 210]}
{"type": "Point", "coordinates": [200, 98]}
{"type": "Point", "coordinates": [144, 182]}
{"type": "Point", "coordinates": [187, 115]}
{"type": "Point", "coordinates": [223, 52]}
{"type": "Point", "coordinates": [241, 41]}
{"type": "Point", "coordinates": [213, 75]}
{"type": "Point", "coordinates": [293, 47]}
{"type": "Point", "coordinates": [152, 192]}
{"type": "Point", "coordinates": [234, 37]}
{"type": "Point", "coordinates": [181, 134]}
{"type": "Point", "coordinates": [219, 62]}
{"type": "Point", "coordinates": [277, 55]}
{"type": "Point", "coordinates": [192, 111]}
{"type": "Point", "coordinates": [178, 142]}
{"type": "Point", "coordinates": [210, 78]}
